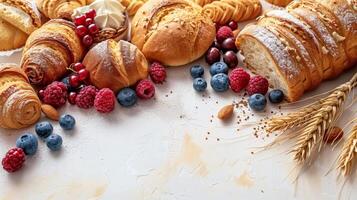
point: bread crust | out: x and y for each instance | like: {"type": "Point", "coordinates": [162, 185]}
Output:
{"type": "Point", "coordinates": [174, 32]}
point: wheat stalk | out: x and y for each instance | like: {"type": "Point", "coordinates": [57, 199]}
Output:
{"type": "Point", "coordinates": [348, 153]}
{"type": "Point", "coordinates": [313, 120]}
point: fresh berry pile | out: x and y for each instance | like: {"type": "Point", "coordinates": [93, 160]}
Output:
{"type": "Point", "coordinates": [86, 27]}
{"type": "Point", "coordinates": [27, 143]}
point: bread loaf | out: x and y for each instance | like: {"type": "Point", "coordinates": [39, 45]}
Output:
{"type": "Point", "coordinates": [115, 65]}
{"type": "Point", "coordinates": [303, 45]}
{"type": "Point", "coordinates": [282, 3]}
{"type": "Point", "coordinates": [50, 50]}
{"type": "Point", "coordinates": [173, 32]}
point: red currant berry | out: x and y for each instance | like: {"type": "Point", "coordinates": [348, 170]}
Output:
{"type": "Point", "coordinates": [233, 25]}
{"type": "Point", "coordinates": [80, 20]}
{"type": "Point", "coordinates": [41, 93]}
{"type": "Point", "coordinates": [74, 81]}
{"type": "Point", "coordinates": [83, 74]}
{"type": "Point", "coordinates": [78, 66]}
{"type": "Point", "coordinates": [72, 98]}
{"type": "Point", "coordinates": [91, 13]}
{"type": "Point", "coordinates": [93, 29]}
{"type": "Point", "coordinates": [87, 40]}
{"type": "Point", "coordinates": [81, 31]}
{"type": "Point", "coordinates": [89, 21]}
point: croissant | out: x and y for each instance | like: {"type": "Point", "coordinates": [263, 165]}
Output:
{"type": "Point", "coordinates": [54, 9]}
{"type": "Point", "coordinates": [203, 2]}
{"type": "Point", "coordinates": [282, 3]}
{"type": "Point", "coordinates": [50, 50]}
{"type": "Point", "coordinates": [115, 65]}
{"type": "Point", "coordinates": [133, 5]}
{"type": "Point", "coordinates": [224, 11]}
{"type": "Point", "coordinates": [19, 105]}
{"type": "Point", "coordinates": [18, 18]}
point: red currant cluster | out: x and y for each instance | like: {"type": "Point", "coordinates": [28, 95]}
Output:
{"type": "Point", "coordinates": [85, 27]}
{"type": "Point", "coordinates": [80, 76]}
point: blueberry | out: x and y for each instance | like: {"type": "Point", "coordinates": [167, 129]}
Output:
{"type": "Point", "coordinates": [44, 129]}
{"type": "Point", "coordinates": [67, 122]}
{"type": "Point", "coordinates": [27, 142]}
{"type": "Point", "coordinates": [218, 67]}
{"type": "Point", "coordinates": [127, 97]}
{"type": "Point", "coordinates": [257, 102]}
{"type": "Point", "coordinates": [197, 71]}
{"type": "Point", "coordinates": [219, 82]}
{"type": "Point", "coordinates": [65, 80]}
{"type": "Point", "coordinates": [199, 84]}
{"type": "Point", "coordinates": [54, 142]}
{"type": "Point", "coordinates": [276, 96]}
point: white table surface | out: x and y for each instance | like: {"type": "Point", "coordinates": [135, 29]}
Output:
{"type": "Point", "coordinates": [170, 148]}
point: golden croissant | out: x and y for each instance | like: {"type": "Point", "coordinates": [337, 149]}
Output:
{"type": "Point", "coordinates": [50, 50]}
{"type": "Point", "coordinates": [18, 19]}
{"type": "Point", "coordinates": [20, 106]}
{"type": "Point", "coordinates": [54, 9]}
{"type": "Point", "coordinates": [132, 5]}
{"type": "Point", "coordinates": [224, 11]}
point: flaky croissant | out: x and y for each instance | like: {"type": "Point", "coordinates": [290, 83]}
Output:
{"type": "Point", "coordinates": [54, 9]}
{"type": "Point", "coordinates": [224, 11]}
{"type": "Point", "coordinates": [115, 65]}
{"type": "Point", "coordinates": [50, 50]}
{"type": "Point", "coordinates": [19, 105]}
{"type": "Point", "coordinates": [133, 5]}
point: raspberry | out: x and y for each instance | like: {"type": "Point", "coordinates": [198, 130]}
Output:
{"type": "Point", "coordinates": [13, 160]}
{"type": "Point", "coordinates": [55, 94]}
{"type": "Point", "coordinates": [104, 100]}
{"type": "Point", "coordinates": [157, 73]}
{"type": "Point", "coordinates": [145, 89]}
{"type": "Point", "coordinates": [85, 98]}
{"type": "Point", "coordinates": [238, 79]}
{"type": "Point", "coordinates": [258, 84]}
{"type": "Point", "coordinates": [223, 33]}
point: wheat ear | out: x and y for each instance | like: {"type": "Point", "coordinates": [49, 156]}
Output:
{"type": "Point", "coordinates": [348, 153]}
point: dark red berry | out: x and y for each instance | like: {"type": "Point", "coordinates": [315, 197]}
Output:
{"type": "Point", "coordinates": [91, 13]}
{"type": "Point", "coordinates": [89, 21]}
{"type": "Point", "coordinates": [93, 29]}
{"type": "Point", "coordinates": [213, 55]}
{"type": "Point", "coordinates": [78, 66]}
{"type": "Point", "coordinates": [87, 40]}
{"type": "Point", "coordinates": [229, 45]}
{"type": "Point", "coordinates": [230, 58]}
{"type": "Point", "coordinates": [81, 30]}
{"type": "Point", "coordinates": [80, 20]}
{"type": "Point", "coordinates": [41, 93]}
{"type": "Point", "coordinates": [72, 98]}
{"type": "Point", "coordinates": [218, 26]}
{"type": "Point", "coordinates": [233, 25]}
{"type": "Point", "coordinates": [216, 44]}
{"type": "Point", "coordinates": [74, 81]}
{"type": "Point", "coordinates": [83, 74]}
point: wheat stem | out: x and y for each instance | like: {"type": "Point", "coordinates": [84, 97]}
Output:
{"type": "Point", "coordinates": [348, 153]}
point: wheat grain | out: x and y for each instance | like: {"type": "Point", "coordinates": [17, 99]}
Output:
{"type": "Point", "coordinates": [348, 153]}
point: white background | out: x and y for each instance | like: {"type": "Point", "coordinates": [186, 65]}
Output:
{"type": "Point", "coordinates": [161, 150]}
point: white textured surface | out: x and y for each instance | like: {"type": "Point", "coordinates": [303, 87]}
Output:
{"type": "Point", "coordinates": [158, 151]}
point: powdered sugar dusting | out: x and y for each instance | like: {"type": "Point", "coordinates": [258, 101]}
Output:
{"type": "Point", "coordinates": [278, 51]}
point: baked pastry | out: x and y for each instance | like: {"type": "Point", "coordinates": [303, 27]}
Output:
{"type": "Point", "coordinates": [132, 6]}
{"type": "Point", "coordinates": [203, 2]}
{"type": "Point", "coordinates": [115, 65]}
{"type": "Point", "coordinates": [299, 47]}
{"type": "Point", "coordinates": [50, 50]}
{"type": "Point", "coordinates": [54, 9]}
{"type": "Point", "coordinates": [282, 3]}
{"type": "Point", "coordinates": [111, 19]}
{"type": "Point", "coordinates": [173, 32]}
{"type": "Point", "coordinates": [19, 105]}
{"type": "Point", "coordinates": [18, 18]}
{"type": "Point", "coordinates": [224, 11]}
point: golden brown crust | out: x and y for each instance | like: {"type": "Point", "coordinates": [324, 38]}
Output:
{"type": "Point", "coordinates": [11, 37]}
{"type": "Point", "coordinates": [115, 65]}
{"type": "Point", "coordinates": [50, 50]}
{"type": "Point", "coordinates": [174, 32]}
{"type": "Point", "coordinates": [282, 3]}
{"type": "Point", "coordinates": [19, 105]}
{"type": "Point", "coordinates": [54, 9]}
{"type": "Point", "coordinates": [132, 6]}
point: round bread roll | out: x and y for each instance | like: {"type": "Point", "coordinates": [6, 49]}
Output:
{"type": "Point", "coordinates": [115, 65]}
{"type": "Point", "coordinates": [173, 32]}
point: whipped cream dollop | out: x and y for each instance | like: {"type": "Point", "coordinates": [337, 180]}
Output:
{"type": "Point", "coordinates": [110, 13]}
